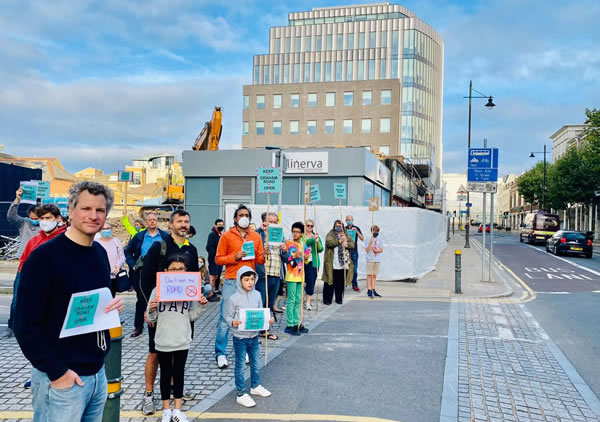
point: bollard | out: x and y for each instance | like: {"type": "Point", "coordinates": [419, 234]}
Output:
{"type": "Point", "coordinates": [457, 270]}
{"type": "Point", "coordinates": [112, 366]}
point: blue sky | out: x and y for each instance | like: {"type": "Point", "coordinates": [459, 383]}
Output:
{"type": "Point", "coordinates": [97, 83]}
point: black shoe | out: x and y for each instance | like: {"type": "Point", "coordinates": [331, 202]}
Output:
{"type": "Point", "coordinates": [292, 331]}
{"type": "Point", "coordinates": [213, 298]}
{"type": "Point", "coordinates": [375, 294]}
{"type": "Point", "coordinates": [302, 329]}
{"type": "Point", "coordinates": [137, 332]}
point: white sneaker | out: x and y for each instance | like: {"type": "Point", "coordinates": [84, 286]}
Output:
{"type": "Point", "coordinates": [222, 362]}
{"type": "Point", "coordinates": [247, 359]}
{"type": "Point", "coordinates": [260, 391]}
{"type": "Point", "coordinates": [246, 400]}
{"type": "Point", "coordinates": [179, 416]}
{"type": "Point", "coordinates": [308, 308]}
{"type": "Point", "coordinates": [166, 415]}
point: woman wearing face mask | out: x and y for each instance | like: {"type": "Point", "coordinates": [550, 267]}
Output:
{"type": "Point", "coordinates": [336, 263]}
{"type": "Point", "coordinates": [114, 250]}
{"type": "Point", "coordinates": [374, 250]}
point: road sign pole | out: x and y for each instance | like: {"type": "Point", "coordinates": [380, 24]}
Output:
{"type": "Point", "coordinates": [491, 237]}
{"type": "Point", "coordinates": [483, 245]}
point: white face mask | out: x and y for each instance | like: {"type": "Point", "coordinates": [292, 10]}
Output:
{"type": "Point", "coordinates": [244, 222]}
{"type": "Point", "coordinates": [47, 225]}
{"type": "Point", "coordinates": [200, 264]}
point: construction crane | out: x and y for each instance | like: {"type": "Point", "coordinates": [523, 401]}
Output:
{"type": "Point", "coordinates": [211, 133]}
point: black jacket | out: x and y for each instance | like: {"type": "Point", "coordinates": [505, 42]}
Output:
{"type": "Point", "coordinates": [133, 250]}
{"type": "Point", "coordinates": [154, 263]}
{"type": "Point", "coordinates": [211, 245]}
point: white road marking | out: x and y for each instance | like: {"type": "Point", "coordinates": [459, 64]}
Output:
{"type": "Point", "coordinates": [566, 260]}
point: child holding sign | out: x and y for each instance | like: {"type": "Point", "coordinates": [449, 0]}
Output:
{"type": "Point", "coordinates": [172, 342]}
{"type": "Point", "coordinates": [245, 334]}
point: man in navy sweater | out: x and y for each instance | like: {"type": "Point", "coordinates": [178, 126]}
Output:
{"type": "Point", "coordinates": [68, 379]}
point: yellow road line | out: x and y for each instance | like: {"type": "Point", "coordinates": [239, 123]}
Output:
{"type": "Point", "coordinates": [529, 292]}
{"type": "Point", "coordinates": [239, 416]}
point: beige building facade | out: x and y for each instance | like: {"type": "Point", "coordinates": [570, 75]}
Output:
{"type": "Point", "coordinates": [359, 76]}
{"type": "Point", "coordinates": [565, 138]}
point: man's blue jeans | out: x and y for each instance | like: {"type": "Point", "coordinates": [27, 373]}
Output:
{"type": "Point", "coordinates": [273, 286]}
{"type": "Point", "coordinates": [222, 327]}
{"type": "Point", "coordinates": [241, 346]}
{"type": "Point", "coordinates": [77, 403]}
{"type": "Point", "coordinates": [13, 303]}
{"type": "Point", "coordinates": [354, 256]}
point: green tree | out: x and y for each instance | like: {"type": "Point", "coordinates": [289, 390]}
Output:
{"type": "Point", "coordinates": [531, 183]}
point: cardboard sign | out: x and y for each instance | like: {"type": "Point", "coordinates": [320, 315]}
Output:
{"type": "Point", "coordinates": [63, 206]}
{"type": "Point", "coordinates": [43, 190]}
{"type": "Point", "coordinates": [85, 313]}
{"type": "Point", "coordinates": [29, 192]}
{"type": "Point", "coordinates": [275, 233]}
{"type": "Point", "coordinates": [178, 287]}
{"type": "Point", "coordinates": [374, 204]}
{"type": "Point", "coordinates": [339, 190]}
{"type": "Point", "coordinates": [268, 180]}
{"type": "Point", "coordinates": [307, 191]}
{"type": "Point", "coordinates": [315, 193]}
{"type": "Point", "coordinates": [248, 247]}
{"type": "Point", "coordinates": [255, 319]}
{"type": "Point", "coordinates": [352, 234]}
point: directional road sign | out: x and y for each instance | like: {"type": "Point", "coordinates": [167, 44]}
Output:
{"type": "Point", "coordinates": [482, 165]}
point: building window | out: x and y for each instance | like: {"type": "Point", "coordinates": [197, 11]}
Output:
{"type": "Point", "coordinates": [348, 98]}
{"type": "Point", "coordinates": [277, 45]}
{"type": "Point", "coordinates": [329, 42]}
{"type": "Point", "coordinates": [371, 69]}
{"type": "Point", "coordinates": [329, 127]}
{"type": "Point", "coordinates": [276, 74]}
{"type": "Point", "coordinates": [306, 72]}
{"type": "Point", "coordinates": [382, 69]}
{"type": "Point", "coordinates": [297, 48]}
{"type": "Point", "coordinates": [246, 102]}
{"type": "Point", "coordinates": [330, 99]}
{"type": "Point", "coordinates": [338, 71]}
{"type": "Point", "coordinates": [287, 44]}
{"type": "Point", "coordinates": [318, 72]}
{"type": "Point", "coordinates": [312, 99]}
{"type": "Point", "coordinates": [394, 68]}
{"type": "Point", "coordinates": [267, 71]}
{"type": "Point", "coordinates": [394, 43]}
{"type": "Point", "coordinates": [286, 73]}
{"type": "Point", "coordinates": [365, 126]}
{"type": "Point", "coordinates": [307, 43]}
{"type": "Point", "coordinates": [372, 39]}
{"type": "Point", "coordinates": [311, 127]}
{"type": "Point", "coordinates": [295, 100]}
{"type": "Point", "coordinates": [294, 124]}
{"type": "Point", "coordinates": [350, 42]}
{"type": "Point", "coordinates": [361, 40]}
{"type": "Point", "coordinates": [297, 73]}
{"type": "Point", "coordinates": [361, 70]}
{"type": "Point", "coordinates": [327, 71]}
{"type": "Point", "coordinates": [256, 74]}
{"type": "Point", "coordinates": [348, 126]}
{"type": "Point", "coordinates": [385, 124]}
{"type": "Point", "coordinates": [244, 128]}
{"type": "Point", "coordinates": [277, 128]}
{"type": "Point", "coordinates": [386, 97]}
{"type": "Point", "coordinates": [260, 128]}
{"type": "Point", "coordinates": [260, 102]}
{"type": "Point", "coordinates": [318, 43]}
{"type": "Point", "coordinates": [349, 65]}
{"type": "Point", "coordinates": [277, 101]}
{"type": "Point", "coordinates": [340, 42]}
{"type": "Point", "coordinates": [383, 39]}
{"type": "Point", "coordinates": [367, 98]}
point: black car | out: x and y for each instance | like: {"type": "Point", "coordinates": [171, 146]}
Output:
{"type": "Point", "coordinates": [569, 242]}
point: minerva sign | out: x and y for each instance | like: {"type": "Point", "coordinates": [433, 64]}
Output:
{"type": "Point", "coordinates": [306, 162]}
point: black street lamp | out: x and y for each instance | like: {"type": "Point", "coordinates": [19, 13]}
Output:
{"type": "Point", "coordinates": [544, 186]}
{"type": "Point", "coordinates": [490, 105]}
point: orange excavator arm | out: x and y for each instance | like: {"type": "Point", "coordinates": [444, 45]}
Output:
{"type": "Point", "coordinates": [211, 133]}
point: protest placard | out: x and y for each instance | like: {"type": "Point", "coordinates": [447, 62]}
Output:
{"type": "Point", "coordinates": [373, 204]}
{"type": "Point", "coordinates": [248, 247]}
{"type": "Point", "coordinates": [275, 233]}
{"type": "Point", "coordinates": [178, 287]}
{"type": "Point", "coordinates": [254, 319]}
{"type": "Point", "coordinates": [352, 234]}
{"type": "Point", "coordinates": [268, 180]}
{"type": "Point", "coordinates": [85, 313]}
{"type": "Point", "coordinates": [43, 189]}
{"type": "Point", "coordinates": [63, 206]}
{"type": "Point", "coordinates": [47, 201]}
{"type": "Point", "coordinates": [315, 194]}
{"type": "Point", "coordinates": [29, 192]}
{"type": "Point", "coordinates": [339, 190]}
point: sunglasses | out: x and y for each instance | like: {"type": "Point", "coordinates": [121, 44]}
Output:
{"type": "Point", "coordinates": [309, 225]}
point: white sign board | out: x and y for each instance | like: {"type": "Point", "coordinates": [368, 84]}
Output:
{"type": "Point", "coordinates": [483, 187]}
{"type": "Point", "coordinates": [255, 319]}
{"type": "Point", "coordinates": [85, 313]}
{"type": "Point", "coordinates": [461, 197]}
{"type": "Point", "coordinates": [177, 287]}
{"type": "Point", "coordinates": [306, 162]}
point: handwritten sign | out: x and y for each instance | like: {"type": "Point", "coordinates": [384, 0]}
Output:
{"type": "Point", "coordinates": [29, 192]}
{"type": "Point", "coordinates": [373, 204]}
{"type": "Point", "coordinates": [275, 233]}
{"type": "Point", "coordinates": [85, 313]}
{"type": "Point", "coordinates": [268, 180]}
{"type": "Point", "coordinates": [248, 247]}
{"type": "Point", "coordinates": [178, 287]}
{"type": "Point", "coordinates": [255, 319]}
{"type": "Point", "coordinates": [315, 193]}
{"type": "Point", "coordinates": [339, 190]}
{"type": "Point", "coordinates": [43, 189]}
{"type": "Point", "coordinates": [352, 234]}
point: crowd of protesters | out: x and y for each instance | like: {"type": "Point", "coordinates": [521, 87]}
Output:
{"type": "Point", "coordinates": [243, 270]}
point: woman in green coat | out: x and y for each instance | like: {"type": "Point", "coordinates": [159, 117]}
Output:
{"type": "Point", "coordinates": [337, 263]}
{"type": "Point", "coordinates": [312, 262]}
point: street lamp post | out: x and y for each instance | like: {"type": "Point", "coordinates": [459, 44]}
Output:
{"type": "Point", "coordinates": [490, 105]}
{"type": "Point", "coordinates": [280, 165]}
{"type": "Point", "coordinates": [544, 186]}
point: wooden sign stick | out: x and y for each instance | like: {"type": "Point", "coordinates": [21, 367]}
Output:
{"type": "Point", "coordinates": [303, 266]}
{"type": "Point", "coordinates": [267, 278]}
{"type": "Point", "coordinates": [317, 255]}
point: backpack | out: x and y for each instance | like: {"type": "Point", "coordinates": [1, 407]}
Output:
{"type": "Point", "coordinates": [163, 251]}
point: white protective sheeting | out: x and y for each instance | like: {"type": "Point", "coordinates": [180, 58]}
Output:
{"type": "Point", "coordinates": [412, 237]}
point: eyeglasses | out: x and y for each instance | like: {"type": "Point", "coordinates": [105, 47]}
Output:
{"type": "Point", "coordinates": [296, 231]}
{"type": "Point", "coordinates": [309, 225]}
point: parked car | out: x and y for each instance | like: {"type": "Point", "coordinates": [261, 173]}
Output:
{"type": "Point", "coordinates": [569, 242]}
{"type": "Point", "coordinates": [538, 227]}
{"type": "Point", "coordinates": [487, 228]}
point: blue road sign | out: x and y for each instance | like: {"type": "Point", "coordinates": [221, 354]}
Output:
{"type": "Point", "coordinates": [482, 165]}
{"type": "Point", "coordinates": [482, 175]}
{"type": "Point", "coordinates": [463, 212]}
{"type": "Point", "coordinates": [469, 204]}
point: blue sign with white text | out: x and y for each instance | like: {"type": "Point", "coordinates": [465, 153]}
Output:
{"type": "Point", "coordinates": [482, 165]}
{"type": "Point", "coordinates": [482, 175]}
